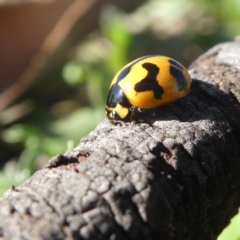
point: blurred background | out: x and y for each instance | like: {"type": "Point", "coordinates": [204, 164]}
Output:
{"type": "Point", "coordinates": [58, 57]}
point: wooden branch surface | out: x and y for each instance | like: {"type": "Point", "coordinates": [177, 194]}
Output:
{"type": "Point", "coordinates": [176, 177]}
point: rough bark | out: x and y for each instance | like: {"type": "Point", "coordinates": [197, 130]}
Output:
{"type": "Point", "coordinates": [176, 177]}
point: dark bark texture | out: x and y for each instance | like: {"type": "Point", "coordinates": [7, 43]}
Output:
{"type": "Point", "coordinates": [175, 177]}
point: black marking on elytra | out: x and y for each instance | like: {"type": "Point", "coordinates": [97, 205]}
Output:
{"type": "Point", "coordinates": [150, 83]}
{"type": "Point", "coordinates": [124, 73]}
{"type": "Point", "coordinates": [127, 69]}
{"type": "Point", "coordinates": [115, 96]}
{"type": "Point", "coordinates": [176, 64]}
{"type": "Point", "coordinates": [180, 78]}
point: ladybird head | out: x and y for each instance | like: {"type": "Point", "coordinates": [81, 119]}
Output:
{"type": "Point", "coordinates": [118, 113]}
{"type": "Point", "coordinates": [117, 107]}
{"type": "Point", "coordinates": [112, 115]}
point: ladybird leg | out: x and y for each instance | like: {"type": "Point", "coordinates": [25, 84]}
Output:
{"type": "Point", "coordinates": [132, 116]}
{"type": "Point", "coordinates": [117, 122]}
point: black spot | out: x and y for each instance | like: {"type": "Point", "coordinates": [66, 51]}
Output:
{"type": "Point", "coordinates": [149, 83]}
{"type": "Point", "coordinates": [180, 78]}
{"type": "Point", "coordinates": [176, 64]}
{"type": "Point", "coordinates": [115, 96]}
{"type": "Point", "coordinates": [124, 73]}
{"type": "Point", "coordinates": [127, 69]}
{"type": "Point", "coordinates": [176, 70]}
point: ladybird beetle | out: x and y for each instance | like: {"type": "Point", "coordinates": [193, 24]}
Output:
{"type": "Point", "coordinates": [146, 83]}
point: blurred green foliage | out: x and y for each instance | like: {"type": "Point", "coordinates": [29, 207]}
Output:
{"type": "Point", "coordinates": [231, 232]}
{"type": "Point", "coordinates": [61, 113]}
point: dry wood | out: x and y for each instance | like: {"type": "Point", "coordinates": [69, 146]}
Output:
{"type": "Point", "coordinates": [176, 177]}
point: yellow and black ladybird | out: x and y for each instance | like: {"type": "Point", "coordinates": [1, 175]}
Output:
{"type": "Point", "coordinates": [147, 82]}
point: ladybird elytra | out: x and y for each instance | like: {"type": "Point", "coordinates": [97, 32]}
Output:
{"type": "Point", "coordinates": [147, 82]}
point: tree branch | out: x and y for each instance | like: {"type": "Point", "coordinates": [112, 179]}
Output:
{"type": "Point", "coordinates": [176, 177]}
